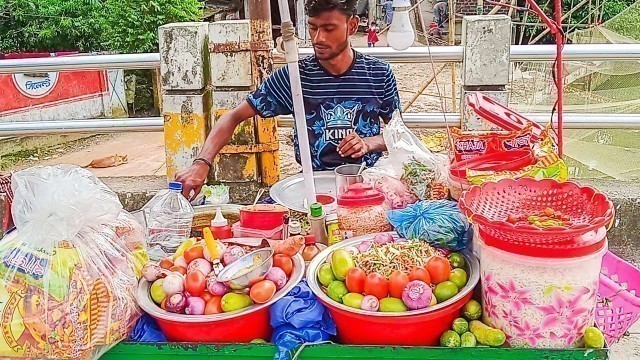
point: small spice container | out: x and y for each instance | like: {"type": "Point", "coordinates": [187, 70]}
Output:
{"type": "Point", "coordinates": [361, 210]}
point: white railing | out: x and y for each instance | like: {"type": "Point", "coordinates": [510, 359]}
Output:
{"type": "Point", "coordinates": [440, 54]}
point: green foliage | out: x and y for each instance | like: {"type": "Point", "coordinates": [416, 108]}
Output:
{"type": "Point", "coordinates": [49, 25]}
{"type": "Point", "coordinates": [89, 25]}
{"type": "Point", "coordinates": [588, 14]}
{"type": "Point", "coordinates": [131, 26]}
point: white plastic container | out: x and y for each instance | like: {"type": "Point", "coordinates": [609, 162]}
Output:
{"type": "Point", "coordinates": [457, 186]}
{"type": "Point", "coordinates": [541, 302]}
{"type": "Point", "coordinates": [169, 217]}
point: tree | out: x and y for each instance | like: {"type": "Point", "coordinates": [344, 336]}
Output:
{"type": "Point", "coordinates": [131, 26]}
{"type": "Point", "coordinates": [49, 25]}
{"type": "Point", "coordinates": [89, 25]}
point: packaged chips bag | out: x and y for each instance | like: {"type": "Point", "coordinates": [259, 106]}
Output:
{"type": "Point", "coordinates": [70, 270]}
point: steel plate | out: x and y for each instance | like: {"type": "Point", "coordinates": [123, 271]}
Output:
{"type": "Point", "coordinates": [290, 191]}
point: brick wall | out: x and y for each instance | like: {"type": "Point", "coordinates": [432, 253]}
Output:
{"type": "Point", "coordinates": [468, 7]}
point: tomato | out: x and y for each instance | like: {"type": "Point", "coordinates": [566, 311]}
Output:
{"type": "Point", "coordinates": [283, 262]}
{"type": "Point", "coordinates": [214, 306]}
{"type": "Point", "coordinates": [397, 282]}
{"type": "Point", "coordinates": [194, 252]}
{"type": "Point", "coordinates": [163, 304]}
{"type": "Point", "coordinates": [195, 283]}
{"type": "Point", "coordinates": [355, 280]}
{"type": "Point", "coordinates": [549, 211]}
{"type": "Point", "coordinates": [421, 274]}
{"type": "Point", "coordinates": [512, 219]}
{"type": "Point", "coordinates": [166, 263]}
{"type": "Point", "coordinates": [179, 269]}
{"type": "Point", "coordinates": [262, 291]}
{"type": "Point", "coordinates": [439, 269]}
{"type": "Point", "coordinates": [206, 296]}
{"type": "Point", "coordinates": [376, 285]}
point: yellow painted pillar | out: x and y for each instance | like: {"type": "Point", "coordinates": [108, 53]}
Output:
{"type": "Point", "coordinates": [238, 65]}
{"type": "Point", "coordinates": [184, 75]}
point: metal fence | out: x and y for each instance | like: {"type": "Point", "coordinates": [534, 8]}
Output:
{"type": "Point", "coordinates": [520, 54]}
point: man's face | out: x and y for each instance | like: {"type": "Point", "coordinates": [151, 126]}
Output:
{"type": "Point", "coordinates": [330, 33]}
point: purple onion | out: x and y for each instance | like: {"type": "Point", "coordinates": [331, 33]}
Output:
{"type": "Point", "coordinates": [370, 303]}
{"type": "Point", "coordinates": [417, 295]}
{"type": "Point", "coordinates": [151, 272]}
{"type": "Point", "coordinates": [176, 303]}
{"type": "Point", "coordinates": [383, 239]}
{"type": "Point", "coordinates": [173, 284]}
{"type": "Point", "coordinates": [180, 261]}
{"type": "Point", "coordinates": [364, 246]}
{"type": "Point", "coordinates": [194, 306]}
{"type": "Point", "coordinates": [215, 287]}
{"type": "Point", "coordinates": [278, 277]}
{"type": "Point", "coordinates": [199, 264]}
{"type": "Point", "coordinates": [232, 254]}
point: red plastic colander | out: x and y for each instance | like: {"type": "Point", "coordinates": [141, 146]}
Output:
{"type": "Point", "coordinates": [490, 205]}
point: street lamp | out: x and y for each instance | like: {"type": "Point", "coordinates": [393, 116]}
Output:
{"type": "Point", "coordinates": [401, 35]}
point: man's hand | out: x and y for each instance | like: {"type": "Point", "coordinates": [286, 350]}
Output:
{"type": "Point", "coordinates": [354, 146]}
{"type": "Point", "coordinates": [193, 179]}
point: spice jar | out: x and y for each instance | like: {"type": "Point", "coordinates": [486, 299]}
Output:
{"type": "Point", "coordinates": [362, 211]}
{"type": "Point", "coordinates": [311, 249]}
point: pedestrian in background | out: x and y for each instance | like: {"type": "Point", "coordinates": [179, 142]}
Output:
{"type": "Point", "coordinates": [372, 34]}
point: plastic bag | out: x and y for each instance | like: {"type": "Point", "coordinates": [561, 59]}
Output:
{"type": "Point", "coordinates": [409, 161]}
{"type": "Point", "coordinates": [299, 318]}
{"type": "Point", "coordinates": [147, 331]}
{"type": "Point", "coordinates": [438, 222]}
{"type": "Point", "coordinates": [71, 269]}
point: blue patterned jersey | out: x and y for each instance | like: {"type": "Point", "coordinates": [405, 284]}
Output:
{"type": "Point", "coordinates": [335, 105]}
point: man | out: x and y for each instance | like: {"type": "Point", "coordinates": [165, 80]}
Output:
{"type": "Point", "coordinates": [345, 96]}
{"type": "Point", "coordinates": [441, 13]}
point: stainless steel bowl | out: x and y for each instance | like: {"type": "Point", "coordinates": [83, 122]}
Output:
{"type": "Point", "coordinates": [312, 279]}
{"type": "Point", "coordinates": [246, 270]}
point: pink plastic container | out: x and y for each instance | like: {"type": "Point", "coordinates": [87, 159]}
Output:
{"type": "Point", "coordinates": [243, 232]}
{"type": "Point", "coordinates": [618, 297]}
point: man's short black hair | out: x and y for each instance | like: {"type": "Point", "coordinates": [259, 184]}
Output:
{"type": "Point", "coordinates": [316, 7]}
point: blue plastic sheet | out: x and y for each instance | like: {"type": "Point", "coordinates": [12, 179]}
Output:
{"type": "Point", "coordinates": [147, 330]}
{"type": "Point", "coordinates": [438, 222]}
{"type": "Point", "coordinates": [299, 318]}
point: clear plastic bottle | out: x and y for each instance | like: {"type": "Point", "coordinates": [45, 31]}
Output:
{"type": "Point", "coordinates": [169, 218]}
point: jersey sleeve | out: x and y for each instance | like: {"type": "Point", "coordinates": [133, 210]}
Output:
{"type": "Point", "coordinates": [273, 96]}
{"type": "Point", "coordinates": [391, 99]}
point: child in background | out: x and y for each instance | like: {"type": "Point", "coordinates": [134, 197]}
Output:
{"type": "Point", "coordinates": [372, 34]}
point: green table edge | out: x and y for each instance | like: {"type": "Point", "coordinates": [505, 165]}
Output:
{"type": "Point", "coordinates": [138, 351]}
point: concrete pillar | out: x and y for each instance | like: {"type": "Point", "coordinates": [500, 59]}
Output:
{"type": "Point", "coordinates": [240, 61]}
{"type": "Point", "coordinates": [184, 75]}
{"type": "Point", "coordinates": [486, 63]}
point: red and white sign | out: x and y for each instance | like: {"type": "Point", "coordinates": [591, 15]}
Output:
{"type": "Point", "coordinates": [22, 93]}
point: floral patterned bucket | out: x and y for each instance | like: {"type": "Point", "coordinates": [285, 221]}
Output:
{"type": "Point", "coordinates": [539, 302]}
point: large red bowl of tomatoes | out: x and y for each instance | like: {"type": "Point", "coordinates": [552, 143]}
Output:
{"type": "Point", "coordinates": [240, 326]}
{"type": "Point", "coordinates": [360, 326]}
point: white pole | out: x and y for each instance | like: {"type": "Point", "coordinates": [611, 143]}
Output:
{"type": "Point", "coordinates": [291, 55]}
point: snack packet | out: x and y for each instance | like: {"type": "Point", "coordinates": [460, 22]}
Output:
{"type": "Point", "coordinates": [70, 270]}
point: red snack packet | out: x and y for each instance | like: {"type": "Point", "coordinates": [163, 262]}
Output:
{"type": "Point", "coordinates": [470, 144]}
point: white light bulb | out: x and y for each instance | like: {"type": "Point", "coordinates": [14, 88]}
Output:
{"type": "Point", "coordinates": [401, 35]}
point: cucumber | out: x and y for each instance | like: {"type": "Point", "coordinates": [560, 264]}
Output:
{"type": "Point", "coordinates": [487, 335]}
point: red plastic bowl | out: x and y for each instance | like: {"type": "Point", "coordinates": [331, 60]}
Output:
{"type": "Point", "coordinates": [411, 328]}
{"type": "Point", "coordinates": [262, 216]}
{"type": "Point", "coordinates": [241, 326]}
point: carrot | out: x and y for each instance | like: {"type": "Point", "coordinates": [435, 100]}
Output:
{"type": "Point", "coordinates": [290, 246]}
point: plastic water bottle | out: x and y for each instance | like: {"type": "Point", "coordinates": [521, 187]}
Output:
{"type": "Point", "coordinates": [169, 217]}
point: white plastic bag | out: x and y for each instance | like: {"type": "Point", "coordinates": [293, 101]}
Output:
{"type": "Point", "coordinates": [408, 160]}
{"type": "Point", "coordinates": [71, 269]}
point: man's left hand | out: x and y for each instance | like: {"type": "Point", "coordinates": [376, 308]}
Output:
{"type": "Point", "coordinates": [353, 146]}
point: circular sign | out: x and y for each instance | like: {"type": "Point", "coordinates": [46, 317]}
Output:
{"type": "Point", "coordinates": [35, 85]}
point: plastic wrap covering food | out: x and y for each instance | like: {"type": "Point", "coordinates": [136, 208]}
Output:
{"type": "Point", "coordinates": [438, 222]}
{"type": "Point", "coordinates": [410, 172]}
{"type": "Point", "coordinates": [71, 268]}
